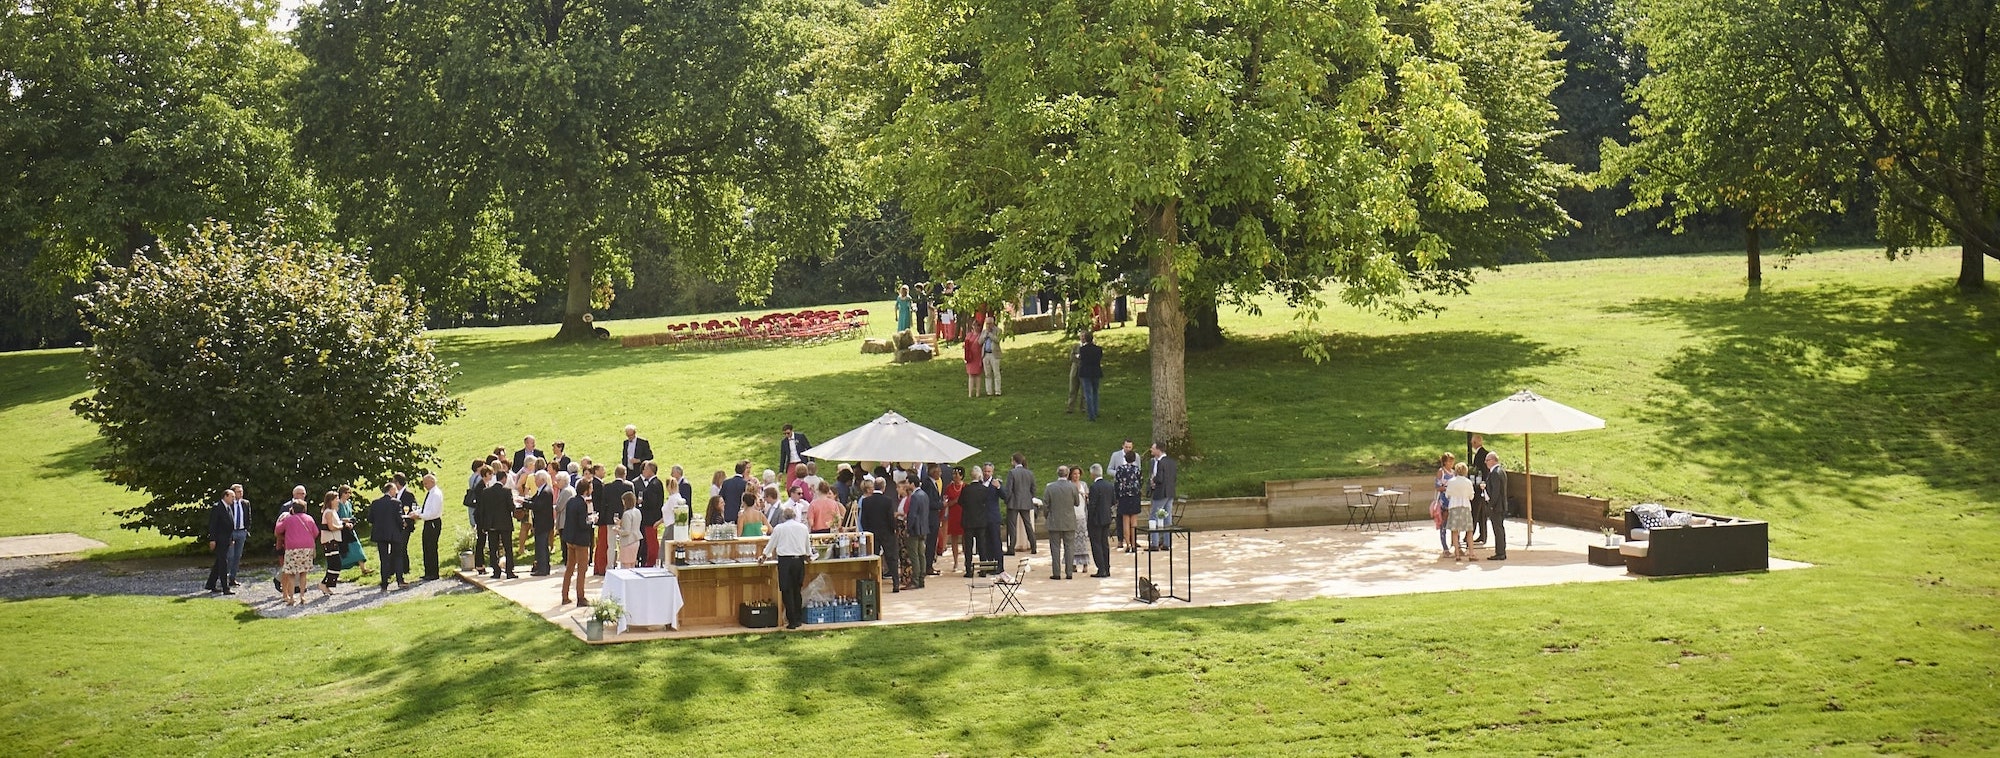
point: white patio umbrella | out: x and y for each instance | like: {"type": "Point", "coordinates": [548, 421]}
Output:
{"type": "Point", "coordinates": [893, 438]}
{"type": "Point", "coordinates": [1525, 413]}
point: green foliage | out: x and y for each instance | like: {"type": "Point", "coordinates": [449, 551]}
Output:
{"type": "Point", "coordinates": [1371, 145]}
{"type": "Point", "coordinates": [1773, 103]}
{"type": "Point", "coordinates": [496, 151]}
{"type": "Point", "coordinates": [234, 358]}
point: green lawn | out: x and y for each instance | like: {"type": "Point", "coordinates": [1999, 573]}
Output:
{"type": "Point", "coordinates": [1846, 403]}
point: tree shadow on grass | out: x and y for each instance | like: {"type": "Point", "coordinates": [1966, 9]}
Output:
{"type": "Point", "coordinates": [40, 377]}
{"type": "Point", "coordinates": [484, 363]}
{"type": "Point", "coordinates": [1831, 383]}
{"type": "Point", "coordinates": [1259, 408]}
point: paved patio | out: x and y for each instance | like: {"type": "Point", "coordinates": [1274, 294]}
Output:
{"type": "Point", "coordinates": [1230, 568]}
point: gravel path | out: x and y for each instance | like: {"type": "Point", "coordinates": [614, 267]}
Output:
{"type": "Point", "coordinates": [62, 576]}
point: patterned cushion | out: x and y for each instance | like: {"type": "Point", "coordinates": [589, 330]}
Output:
{"type": "Point", "coordinates": [1651, 516]}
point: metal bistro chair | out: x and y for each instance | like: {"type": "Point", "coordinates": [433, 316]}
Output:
{"type": "Point", "coordinates": [1399, 506]}
{"type": "Point", "coordinates": [1010, 588]}
{"type": "Point", "coordinates": [982, 573]}
{"type": "Point", "coordinates": [1359, 508]}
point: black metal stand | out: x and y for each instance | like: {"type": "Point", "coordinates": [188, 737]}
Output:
{"type": "Point", "coordinates": [1180, 585]}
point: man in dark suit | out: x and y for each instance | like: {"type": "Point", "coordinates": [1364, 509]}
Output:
{"type": "Point", "coordinates": [528, 450]}
{"type": "Point", "coordinates": [1163, 480]}
{"type": "Point", "coordinates": [972, 512]}
{"type": "Point", "coordinates": [221, 524]}
{"type": "Point", "coordinates": [1496, 511]}
{"type": "Point", "coordinates": [791, 450]}
{"type": "Point", "coordinates": [496, 519]}
{"type": "Point", "coordinates": [878, 517]}
{"type": "Point", "coordinates": [609, 504]}
{"type": "Point", "coordinates": [1100, 512]}
{"type": "Point", "coordinates": [634, 450]}
{"type": "Point", "coordinates": [408, 500]}
{"type": "Point", "coordinates": [996, 518]}
{"type": "Point", "coordinates": [652, 510]}
{"type": "Point", "coordinates": [385, 523]}
{"type": "Point", "coordinates": [1480, 500]}
{"type": "Point", "coordinates": [1090, 372]}
{"type": "Point", "coordinates": [732, 492]}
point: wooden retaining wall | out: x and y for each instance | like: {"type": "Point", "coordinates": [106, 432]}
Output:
{"type": "Point", "coordinates": [1322, 502]}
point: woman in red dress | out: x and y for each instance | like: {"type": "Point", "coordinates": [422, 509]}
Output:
{"type": "Point", "coordinates": [975, 360]}
{"type": "Point", "coordinates": [954, 517]}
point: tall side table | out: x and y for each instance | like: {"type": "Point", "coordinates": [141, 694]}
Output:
{"type": "Point", "coordinates": [1180, 570]}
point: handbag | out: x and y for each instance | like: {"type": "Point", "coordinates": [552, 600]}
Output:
{"type": "Point", "coordinates": [1437, 514]}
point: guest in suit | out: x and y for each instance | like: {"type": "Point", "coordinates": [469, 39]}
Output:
{"type": "Point", "coordinates": [791, 449]}
{"type": "Point", "coordinates": [558, 457]}
{"type": "Point", "coordinates": [996, 517]}
{"type": "Point", "coordinates": [1090, 372]}
{"type": "Point", "coordinates": [239, 532]}
{"type": "Point", "coordinates": [385, 519]}
{"type": "Point", "coordinates": [1163, 481]}
{"type": "Point", "coordinates": [542, 516]}
{"type": "Point", "coordinates": [408, 500]}
{"type": "Point", "coordinates": [972, 497]}
{"type": "Point", "coordinates": [989, 351]}
{"type": "Point", "coordinates": [576, 535]}
{"type": "Point", "coordinates": [1479, 499]}
{"type": "Point", "coordinates": [496, 509]}
{"type": "Point", "coordinates": [732, 492]}
{"type": "Point", "coordinates": [878, 517]}
{"type": "Point", "coordinates": [635, 449]}
{"type": "Point", "coordinates": [1496, 511]}
{"type": "Point", "coordinates": [1100, 512]}
{"type": "Point", "coordinates": [652, 510]}
{"type": "Point", "coordinates": [1060, 518]}
{"type": "Point", "coordinates": [610, 506]}
{"type": "Point", "coordinates": [1020, 504]}
{"type": "Point", "coordinates": [528, 452]}
{"type": "Point", "coordinates": [221, 525]}
{"type": "Point", "coordinates": [917, 535]}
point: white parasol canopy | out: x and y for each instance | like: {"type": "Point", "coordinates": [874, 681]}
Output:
{"type": "Point", "coordinates": [1525, 413]}
{"type": "Point", "coordinates": [893, 438]}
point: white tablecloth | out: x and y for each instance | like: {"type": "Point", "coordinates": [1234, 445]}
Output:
{"type": "Point", "coordinates": [651, 596]}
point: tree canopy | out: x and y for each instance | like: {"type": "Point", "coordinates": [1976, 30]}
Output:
{"type": "Point", "coordinates": [1225, 149]}
{"type": "Point", "coordinates": [245, 358]}
{"type": "Point", "coordinates": [1771, 101]}
{"type": "Point", "coordinates": [502, 150]}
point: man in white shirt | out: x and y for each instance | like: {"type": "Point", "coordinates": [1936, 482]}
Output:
{"type": "Point", "coordinates": [791, 545]}
{"type": "Point", "coordinates": [1122, 456]}
{"type": "Point", "coordinates": [431, 514]}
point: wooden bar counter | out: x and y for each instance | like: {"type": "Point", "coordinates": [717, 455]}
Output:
{"type": "Point", "coordinates": [712, 591]}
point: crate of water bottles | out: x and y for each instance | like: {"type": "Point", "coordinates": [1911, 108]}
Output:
{"type": "Point", "coordinates": [833, 611]}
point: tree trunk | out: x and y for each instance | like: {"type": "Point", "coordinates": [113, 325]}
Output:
{"type": "Point", "coordinates": [1972, 264]}
{"type": "Point", "coordinates": [1753, 245]}
{"type": "Point", "coordinates": [1204, 327]}
{"type": "Point", "coordinates": [1167, 336]}
{"type": "Point", "coordinates": [577, 298]}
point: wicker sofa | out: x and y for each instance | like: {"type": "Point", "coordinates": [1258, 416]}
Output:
{"type": "Point", "coordinates": [1724, 544]}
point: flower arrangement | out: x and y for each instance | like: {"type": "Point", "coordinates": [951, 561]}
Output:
{"type": "Point", "coordinates": [607, 610]}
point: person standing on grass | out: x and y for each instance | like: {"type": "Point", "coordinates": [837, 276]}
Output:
{"type": "Point", "coordinates": [975, 363]}
{"type": "Point", "coordinates": [576, 537]}
{"type": "Point", "coordinates": [1075, 376]}
{"type": "Point", "coordinates": [1496, 509]}
{"type": "Point", "coordinates": [1458, 513]}
{"type": "Point", "coordinates": [330, 547]}
{"type": "Point", "coordinates": [297, 536]}
{"type": "Point", "coordinates": [222, 520]}
{"type": "Point", "coordinates": [432, 514]}
{"type": "Point", "coordinates": [635, 448]}
{"type": "Point", "coordinates": [902, 307]}
{"type": "Point", "coordinates": [732, 492]}
{"type": "Point", "coordinates": [1100, 512]}
{"type": "Point", "coordinates": [1060, 519]}
{"type": "Point", "coordinates": [989, 351]}
{"type": "Point", "coordinates": [792, 447]}
{"type": "Point", "coordinates": [1164, 483]}
{"type": "Point", "coordinates": [1090, 373]}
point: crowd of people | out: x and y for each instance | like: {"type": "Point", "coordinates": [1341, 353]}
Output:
{"type": "Point", "coordinates": [1470, 499]}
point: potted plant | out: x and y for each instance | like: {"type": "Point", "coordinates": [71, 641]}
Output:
{"type": "Point", "coordinates": [466, 543]}
{"type": "Point", "coordinates": [604, 611]}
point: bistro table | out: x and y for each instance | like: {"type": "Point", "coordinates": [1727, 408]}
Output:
{"type": "Point", "coordinates": [1391, 510]}
{"type": "Point", "coordinates": [651, 596]}
{"type": "Point", "coordinates": [1180, 574]}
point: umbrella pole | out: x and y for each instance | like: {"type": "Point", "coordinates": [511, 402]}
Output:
{"type": "Point", "coordinates": [1528, 479]}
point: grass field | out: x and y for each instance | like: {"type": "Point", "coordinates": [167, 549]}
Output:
{"type": "Point", "coordinates": [1847, 403]}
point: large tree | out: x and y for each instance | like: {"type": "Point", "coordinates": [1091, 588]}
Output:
{"type": "Point", "coordinates": [1710, 138]}
{"type": "Point", "coordinates": [1900, 90]}
{"type": "Point", "coordinates": [1225, 149]}
{"type": "Point", "coordinates": [246, 358]}
{"type": "Point", "coordinates": [494, 148]}
{"type": "Point", "coordinates": [122, 121]}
